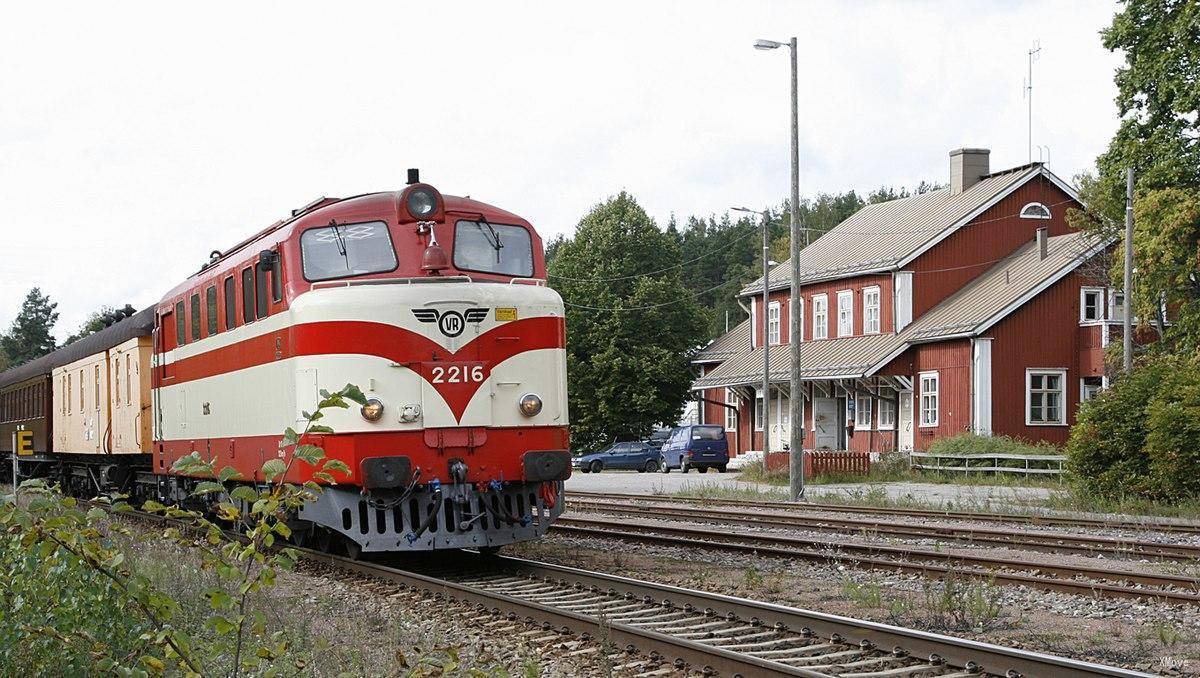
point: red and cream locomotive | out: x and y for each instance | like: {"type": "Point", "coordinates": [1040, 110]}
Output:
{"type": "Point", "coordinates": [434, 305]}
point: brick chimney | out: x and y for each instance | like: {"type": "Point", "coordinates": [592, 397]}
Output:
{"type": "Point", "coordinates": [967, 167]}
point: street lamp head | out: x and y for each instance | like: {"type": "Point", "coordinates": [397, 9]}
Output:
{"type": "Point", "coordinates": [767, 44]}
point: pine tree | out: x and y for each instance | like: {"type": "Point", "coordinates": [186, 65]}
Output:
{"type": "Point", "coordinates": [30, 336]}
{"type": "Point", "coordinates": [632, 324]}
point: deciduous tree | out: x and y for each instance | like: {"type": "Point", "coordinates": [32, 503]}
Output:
{"type": "Point", "coordinates": [632, 324]}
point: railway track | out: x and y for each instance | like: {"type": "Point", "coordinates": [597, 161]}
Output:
{"type": "Point", "coordinates": [656, 629]}
{"type": "Point", "coordinates": [1180, 526]}
{"type": "Point", "coordinates": [1100, 581]}
{"type": "Point", "coordinates": [1052, 542]}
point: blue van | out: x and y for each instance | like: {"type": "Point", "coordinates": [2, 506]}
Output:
{"type": "Point", "coordinates": [697, 447]}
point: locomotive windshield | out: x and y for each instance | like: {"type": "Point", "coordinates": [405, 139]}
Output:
{"type": "Point", "coordinates": [493, 248]}
{"type": "Point", "coordinates": [341, 250]}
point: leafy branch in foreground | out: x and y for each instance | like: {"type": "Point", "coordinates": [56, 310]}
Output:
{"type": "Point", "coordinates": [57, 530]}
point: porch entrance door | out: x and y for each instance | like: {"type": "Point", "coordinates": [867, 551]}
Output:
{"type": "Point", "coordinates": [906, 421]}
{"type": "Point", "coordinates": [825, 423]}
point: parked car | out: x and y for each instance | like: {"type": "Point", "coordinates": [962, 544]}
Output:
{"type": "Point", "coordinates": [697, 447]}
{"type": "Point", "coordinates": [659, 438]}
{"type": "Point", "coordinates": [637, 456]}
{"type": "Point", "coordinates": [745, 459]}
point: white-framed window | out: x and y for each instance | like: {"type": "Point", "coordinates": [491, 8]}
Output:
{"type": "Point", "coordinates": [799, 310]}
{"type": "Point", "coordinates": [870, 310]}
{"type": "Point", "coordinates": [773, 323]}
{"type": "Point", "coordinates": [1089, 387]}
{"type": "Point", "coordinates": [1091, 304]}
{"type": "Point", "coordinates": [1035, 210]}
{"type": "Point", "coordinates": [1045, 397]}
{"type": "Point", "coordinates": [887, 414]}
{"type": "Point", "coordinates": [820, 316]}
{"type": "Point", "coordinates": [929, 398]}
{"type": "Point", "coordinates": [758, 412]}
{"type": "Point", "coordinates": [862, 411]}
{"type": "Point", "coordinates": [845, 313]}
{"type": "Point", "coordinates": [1116, 305]}
{"type": "Point", "coordinates": [731, 399]}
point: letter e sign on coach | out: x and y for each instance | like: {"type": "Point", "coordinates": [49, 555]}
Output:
{"type": "Point", "coordinates": [23, 442]}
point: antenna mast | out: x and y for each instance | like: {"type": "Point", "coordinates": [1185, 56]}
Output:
{"type": "Point", "coordinates": [1033, 56]}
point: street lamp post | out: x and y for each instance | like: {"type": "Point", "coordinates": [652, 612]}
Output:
{"type": "Point", "coordinates": [795, 322]}
{"type": "Point", "coordinates": [766, 337]}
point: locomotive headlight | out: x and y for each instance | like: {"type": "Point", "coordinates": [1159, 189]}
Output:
{"type": "Point", "coordinates": [422, 203]}
{"type": "Point", "coordinates": [373, 410]}
{"type": "Point", "coordinates": [530, 404]}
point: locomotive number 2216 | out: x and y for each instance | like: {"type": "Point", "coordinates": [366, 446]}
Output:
{"type": "Point", "coordinates": [456, 374]}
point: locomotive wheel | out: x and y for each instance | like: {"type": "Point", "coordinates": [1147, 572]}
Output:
{"type": "Point", "coordinates": [651, 466]}
{"type": "Point", "coordinates": [597, 466]}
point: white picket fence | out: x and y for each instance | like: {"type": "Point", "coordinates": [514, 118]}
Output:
{"type": "Point", "coordinates": [963, 463]}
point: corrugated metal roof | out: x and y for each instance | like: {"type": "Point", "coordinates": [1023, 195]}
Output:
{"type": "Point", "coordinates": [969, 311]}
{"type": "Point", "coordinates": [881, 235]}
{"type": "Point", "coordinates": [984, 298]}
{"type": "Point", "coordinates": [731, 343]}
{"type": "Point", "coordinates": [851, 356]}
{"type": "Point", "coordinates": [139, 324]}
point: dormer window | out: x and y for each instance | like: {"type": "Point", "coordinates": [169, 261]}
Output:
{"type": "Point", "coordinates": [1035, 210]}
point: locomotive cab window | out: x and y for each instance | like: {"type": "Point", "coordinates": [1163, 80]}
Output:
{"type": "Point", "coordinates": [260, 292]}
{"type": "Point", "coordinates": [343, 250]}
{"type": "Point", "coordinates": [493, 248]}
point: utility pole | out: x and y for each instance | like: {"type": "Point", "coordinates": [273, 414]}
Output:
{"type": "Point", "coordinates": [766, 339]}
{"type": "Point", "coordinates": [1127, 319]}
{"type": "Point", "coordinates": [795, 322]}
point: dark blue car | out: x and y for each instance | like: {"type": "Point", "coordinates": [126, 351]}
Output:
{"type": "Point", "coordinates": [696, 447]}
{"type": "Point", "coordinates": [640, 457]}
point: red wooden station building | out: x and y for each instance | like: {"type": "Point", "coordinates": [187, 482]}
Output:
{"type": "Point", "coordinates": [967, 308]}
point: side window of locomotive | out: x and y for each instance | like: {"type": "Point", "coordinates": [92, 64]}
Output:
{"type": "Point", "coordinates": [342, 250]}
{"type": "Point", "coordinates": [493, 248]}
{"type": "Point", "coordinates": [180, 329]}
{"type": "Point", "coordinates": [247, 295]}
{"type": "Point", "coordinates": [230, 303]}
{"type": "Point", "coordinates": [210, 309]}
{"type": "Point", "coordinates": [195, 317]}
{"type": "Point", "coordinates": [260, 292]}
{"type": "Point", "coordinates": [277, 279]}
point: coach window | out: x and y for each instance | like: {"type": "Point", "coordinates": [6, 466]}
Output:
{"type": "Point", "coordinates": [195, 317]}
{"type": "Point", "coordinates": [210, 309]}
{"type": "Point", "coordinates": [128, 381]}
{"type": "Point", "coordinates": [82, 390]}
{"type": "Point", "coordinates": [247, 295]}
{"type": "Point", "coordinates": [97, 371]}
{"type": "Point", "coordinates": [180, 330]}
{"type": "Point", "coordinates": [116, 368]}
{"type": "Point", "coordinates": [230, 304]}
{"type": "Point", "coordinates": [343, 250]}
{"type": "Point", "coordinates": [260, 292]}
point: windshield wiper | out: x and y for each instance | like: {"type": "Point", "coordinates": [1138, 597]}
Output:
{"type": "Point", "coordinates": [337, 237]}
{"type": "Point", "coordinates": [494, 240]}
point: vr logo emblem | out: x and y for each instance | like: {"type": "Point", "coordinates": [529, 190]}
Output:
{"type": "Point", "coordinates": [451, 323]}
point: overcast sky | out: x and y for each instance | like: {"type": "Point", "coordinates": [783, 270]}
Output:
{"type": "Point", "coordinates": [136, 138]}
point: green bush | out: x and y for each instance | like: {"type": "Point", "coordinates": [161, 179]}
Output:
{"type": "Point", "coordinates": [970, 443]}
{"type": "Point", "coordinates": [1141, 437]}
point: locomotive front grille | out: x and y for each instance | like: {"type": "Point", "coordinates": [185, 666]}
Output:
{"type": "Point", "coordinates": [406, 524]}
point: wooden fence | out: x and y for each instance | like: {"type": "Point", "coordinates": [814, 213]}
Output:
{"type": "Point", "coordinates": [822, 462]}
{"type": "Point", "coordinates": [1045, 464]}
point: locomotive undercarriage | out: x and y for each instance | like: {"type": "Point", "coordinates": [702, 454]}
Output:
{"type": "Point", "coordinates": [436, 516]}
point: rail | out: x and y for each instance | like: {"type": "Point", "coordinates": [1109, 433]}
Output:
{"type": "Point", "coordinates": [996, 467]}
